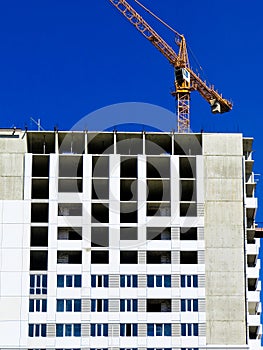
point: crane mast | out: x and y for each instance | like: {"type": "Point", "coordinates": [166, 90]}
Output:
{"type": "Point", "coordinates": [185, 79]}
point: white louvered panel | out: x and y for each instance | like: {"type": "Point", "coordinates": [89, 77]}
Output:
{"type": "Point", "coordinates": [200, 233]}
{"type": "Point", "coordinates": [142, 330]}
{"type": "Point", "coordinates": [175, 305]}
{"type": "Point", "coordinates": [114, 281]}
{"type": "Point", "coordinates": [175, 233]}
{"type": "Point", "coordinates": [175, 281]}
{"type": "Point", "coordinates": [85, 330]}
{"type": "Point", "coordinates": [114, 330]}
{"type": "Point", "coordinates": [202, 330]}
{"type": "Point", "coordinates": [142, 305]}
{"type": "Point", "coordinates": [142, 257]}
{"type": "Point", "coordinates": [142, 348]}
{"type": "Point", "coordinates": [85, 305]}
{"type": "Point", "coordinates": [201, 281]}
{"type": "Point", "coordinates": [51, 330]}
{"type": "Point", "coordinates": [201, 305]}
{"type": "Point", "coordinates": [114, 305]}
{"type": "Point", "coordinates": [201, 257]}
{"type": "Point", "coordinates": [200, 209]}
{"type": "Point", "coordinates": [176, 330]}
{"type": "Point", "coordinates": [142, 281]}
{"type": "Point", "coordinates": [175, 257]}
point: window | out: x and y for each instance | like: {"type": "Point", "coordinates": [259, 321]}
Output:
{"type": "Point", "coordinates": [189, 329]}
{"type": "Point", "coordinates": [129, 281]}
{"type": "Point", "coordinates": [189, 304]}
{"type": "Point", "coordinates": [128, 330]}
{"type": "Point", "coordinates": [189, 349]}
{"type": "Point", "coordinates": [128, 233]}
{"type": "Point", "coordinates": [37, 305]}
{"type": "Point", "coordinates": [159, 329]}
{"type": "Point", "coordinates": [129, 305]}
{"type": "Point", "coordinates": [38, 284]}
{"type": "Point", "coordinates": [69, 209]}
{"type": "Point", "coordinates": [99, 305]}
{"type": "Point", "coordinates": [68, 330]}
{"type": "Point", "coordinates": [98, 330]}
{"type": "Point", "coordinates": [69, 305]}
{"type": "Point", "coordinates": [129, 257]}
{"type": "Point", "coordinates": [188, 257]}
{"type": "Point", "coordinates": [68, 281]}
{"type": "Point", "coordinates": [158, 257]}
{"type": "Point", "coordinates": [100, 257]}
{"type": "Point", "coordinates": [100, 281]}
{"type": "Point", "coordinates": [38, 260]}
{"type": "Point", "coordinates": [37, 330]}
{"type": "Point", "coordinates": [159, 281]}
{"type": "Point", "coordinates": [69, 256]}
{"type": "Point", "coordinates": [99, 236]}
{"type": "Point", "coordinates": [189, 281]}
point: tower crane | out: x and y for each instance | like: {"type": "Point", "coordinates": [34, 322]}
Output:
{"type": "Point", "coordinates": [186, 80]}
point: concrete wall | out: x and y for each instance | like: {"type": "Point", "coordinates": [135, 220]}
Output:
{"type": "Point", "coordinates": [224, 239]}
{"type": "Point", "coordinates": [12, 149]}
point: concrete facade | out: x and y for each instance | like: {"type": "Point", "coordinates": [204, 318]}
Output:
{"type": "Point", "coordinates": [128, 241]}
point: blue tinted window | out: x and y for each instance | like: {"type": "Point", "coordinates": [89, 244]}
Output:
{"type": "Point", "coordinates": [44, 291]}
{"type": "Point", "coordinates": [98, 330]}
{"type": "Point", "coordinates": [31, 305]}
{"type": "Point", "coordinates": [135, 330]}
{"type": "Point", "coordinates": [150, 329]}
{"type": "Point", "coordinates": [44, 305]}
{"type": "Point", "coordinates": [159, 282]}
{"type": "Point", "coordinates": [106, 304]}
{"type": "Point", "coordinates": [167, 329]}
{"type": "Point", "coordinates": [122, 281]}
{"type": "Point", "coordinates": [105, 330]}
{"type": "Point", "coordinates": [43, 330]}
{"type": "Point", "coordinates": [77, 305]}
{"type": "Point", "coordinates": [37, 330]}
{"type": "Point", "coordinates": [135, 281]}
{"type": "Point", "coordinates": [195, 329]}
{"type": "Point", "coordinates": [30, 330]}
{"type": "Point", "coordinates": [128, 281]}
{"type": "Point", "coordinates": [38, 281]}
{"type": "Point", "coordinates": [159, 330]}
{"type": "Point", "coordinates": [77, 281]}
{"type": "Point", "coordinates": [32, 281]}
{"type": "Point", "coordinates": [37, 305]}
{"type": "Point", "coordinates": [135, 305]}
{"type": "Point", "coordinates": [38, 291]}
{"type": "Point", "coordinates": [195, 281]}
{"type": "Point", "coordinates": [60, 281]}
{"type": "Point", "coordinates": [93, 281]}
{"type": "Point", "coordinates": [122, 330]}
{"type": "Point", "coordinates": [44, 281]}
{"type": "Point", "coordinates": [183, 281]}
{"type": "Point", "coordinates": [68, 305]}
{"type": "Point", "coordinates": [189, 278]}
{"type": "Point", "coordinates": [128, 305]}
{"type": "Point", "coordinates": [167, 281]}
{"type": "Point", "coordinates": [195, 305]}
{"type": "Point", "coordinates": [183, 305]}
{"type": "Point", "coordinates": [68, 330]}
{"type": "Point", "coordinates": [68, 281]}
{"type": "Point", "coordinates": [150, 281]}
{"type": "Point", "coordinates": [32, 291]}
{"type": "Point", "coordinates": [183, 329]}
{"type": "Point", "coordinates": [122, 305]}
{"type": "Point", "coordinates": [189, 327]}
{"type": "Point", "coordinates": [106, 281]}
{"type": "Point", "coordinates": [60, 305]}
{"type": "Point", "coordinates": [92, 330]}
{"type": "Point", "coordinates": [93, 305]}
{"type": "Point", "coordinates": [189, 302]}
{"type": "Point", "coordinates": [77, 330]}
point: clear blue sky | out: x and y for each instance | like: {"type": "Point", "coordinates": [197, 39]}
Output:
{"type": "Point", "coordinates": [63, 59]}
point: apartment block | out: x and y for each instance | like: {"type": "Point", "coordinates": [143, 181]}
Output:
{"type": "Point", "coordinates": [128, 240]}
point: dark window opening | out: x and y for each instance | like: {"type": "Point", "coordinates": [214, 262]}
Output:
{"type": "Point", "coordinates": [128, 233]}
{"type": "Point", "coordinates": [100, 189]}
{"type": "Point", "coordinates": [38, 260]}
{"type": "Point", "coordinates": [128, 257]}
{"type": "Point", "coordinates": [130, 144]}
{"type": "Point", "coordinates": [70, 209]}
{"type": "Point", "coordinates": [188, 257]}
{"type": "Point", "coordinates": [71, 142]}
{"type": "Point", "coordinates": [158, 190]}
{"type": "Point", "coordinates": [41, 143]}
{"type": "Point", "coordinates": [39, 212]}
{"type": "Point", "coordinates": [100, 213]}
{"type": "Point", "coordinates": [158, 257]}
{"type": "Point", "coordinates": [128, 190]}
{"type": "Point", "coordinates": [158, 305]}
{"type": "Point", "coordinates": [158, 233]}
{"type": "Point", "coordinates": [99, 236]}
{"type": "Point", "coordinates": [101, 143]}
{"type": "Point", "coordinates": [100, 166]}
{"type": "Point", "coordinates": [188, 190]}
{"type": "Point", "coordinates": [39, 236]}
{"type": "Point", "coordinates": [100, 257]}
{"type": "Point", "coordinates": [187, 167]}
{"type": "Point", "coordinates": [188, 233]}
{"type": "Point", "coordinates": [158, 144]}
{"type": "Point", "coordinates": [158, 209]}
{"type": "Point", "coordinates": [40, 166]}
{"type": "Point", "coordinates": [70, 233]}
{"type": "Point", "coordinates": [70, 166]}
{"type": "Point", "coordinates": [158, 167]}
{"type": "Point", "coordinates": [128, 213]}
{"type": "Point", "coordinates": [69, 257]}
{"type": "Point", "coordinates": [129, 167]}
{"type": "Point", "coordinates": [70, 185]}
{"type": "Point", "coordinates": [188, 209]}
{"type": "Point", "coordinates": [40, 189]}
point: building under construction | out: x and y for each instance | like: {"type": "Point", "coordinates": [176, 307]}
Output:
{"type": "Point", "coordinates": [119, 240]}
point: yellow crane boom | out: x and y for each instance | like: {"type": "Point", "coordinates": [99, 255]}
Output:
{"type": "Point", "coordinates": [186, 80]}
